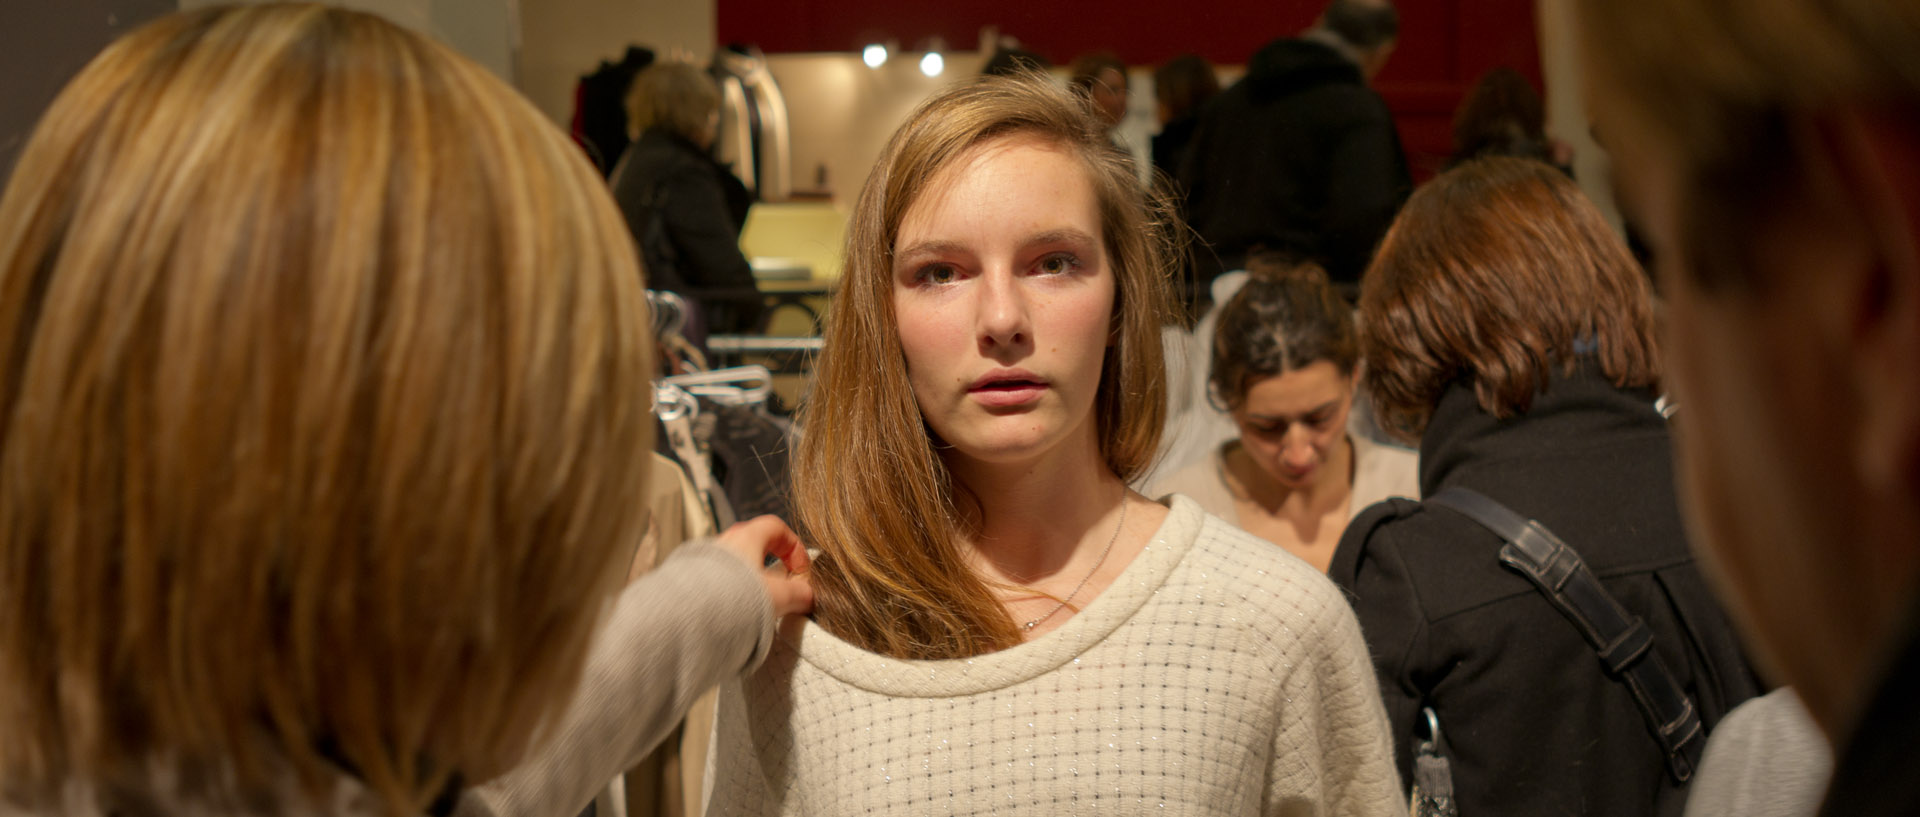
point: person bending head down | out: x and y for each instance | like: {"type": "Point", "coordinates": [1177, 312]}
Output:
{"type": "Point", "coordinates": [1284, 367]}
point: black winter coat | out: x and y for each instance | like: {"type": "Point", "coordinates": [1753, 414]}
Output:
{"type": "Point", "coordinates": [695, 250]}
{"type": "Point", "coordinates": [1534, 724]}
{"type": "Point", "coordinates": [1299, 155]}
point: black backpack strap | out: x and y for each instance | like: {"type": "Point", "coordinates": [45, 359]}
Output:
{"type": "Point", "coordinates": [1623, 642]}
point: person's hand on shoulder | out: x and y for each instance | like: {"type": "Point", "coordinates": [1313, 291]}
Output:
{"type": "Point", "coordinates": [785, 575]}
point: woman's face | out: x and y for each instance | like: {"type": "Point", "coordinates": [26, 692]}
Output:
{"type": "Point", "coordinates": [1005, 301]}
{"type": "Point", "coordinates": [1291, 422]}
{"type": "Point", "coordinates": [1109, 92]}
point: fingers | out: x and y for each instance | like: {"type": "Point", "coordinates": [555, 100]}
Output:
{"type": "Point", "coordinates": [764, 541]}
{"type": "Point", "coordinates": [772, 537]}
{"type": "Point", "coordinates": [792, 595]}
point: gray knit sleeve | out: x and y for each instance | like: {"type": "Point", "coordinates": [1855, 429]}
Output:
{"type": "Point", "coordinates": [699, 619]}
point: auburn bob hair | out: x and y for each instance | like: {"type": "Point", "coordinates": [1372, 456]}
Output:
{"type": "Point", "coordinates": [321, 419]}
{"type": "Point", "coordinates": [870, 490]}
{"type": "Point", "coordinates": [1499, 273]}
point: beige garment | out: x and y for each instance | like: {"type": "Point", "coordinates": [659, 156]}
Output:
{"type": "Point", "coordinates": [666, 783]}
{"type": "Point", "coordinates": [1379, 471]}
{"type": "Point", "coordinates": [674, 515]}
{"type": "Point", "coordinates": [1217, 675]}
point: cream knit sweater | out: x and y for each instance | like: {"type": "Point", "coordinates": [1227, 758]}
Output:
{"type": "Point", "coordinates": [1217, 675]}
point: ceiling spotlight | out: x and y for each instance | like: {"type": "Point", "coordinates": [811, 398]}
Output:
{"type": "Point", "coordinates": [932, 64]}
{"type": "Point", "coordinates": [874, 56]}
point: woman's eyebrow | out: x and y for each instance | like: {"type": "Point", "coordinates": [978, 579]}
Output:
{"type": "Point", "coordinates": [1063, 235]}
{"type": "Point", "coordinates": [934, 247]}
{"type": "Point", "coordinates": [1268, 418]}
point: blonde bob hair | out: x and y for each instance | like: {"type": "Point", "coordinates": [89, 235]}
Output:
{"type": "Point", "coordinates": [870, 489]}
{"type": "Point", "coordinates": [321, 420]}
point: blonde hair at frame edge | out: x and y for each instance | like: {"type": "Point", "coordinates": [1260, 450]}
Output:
{"type": "Point", "coordinates": [877, 498]}
{"type": "Point", "coordinates": [320, 424]}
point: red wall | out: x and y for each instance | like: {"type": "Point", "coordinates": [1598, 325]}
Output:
{"type": "Point", "coordinates": [1444, 44]}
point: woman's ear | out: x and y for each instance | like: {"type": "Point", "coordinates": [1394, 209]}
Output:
{"type": "Point", "coordinates": [1871, 160]}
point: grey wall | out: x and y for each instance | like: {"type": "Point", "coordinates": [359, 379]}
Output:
{"type": "Point", "coordinates": [43, 43]}
{"type": "Point", "coordinates": [564, 39]}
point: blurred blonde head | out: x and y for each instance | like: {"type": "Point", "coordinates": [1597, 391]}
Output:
{"type": "Point", "coordinates": [321, 416]}
{"type": "Point", "coordinates": [674, 96]}
{"type": "Point", "coordinates": [1716, 81]}
{"type": "Point", "coordinates": [870, 488]}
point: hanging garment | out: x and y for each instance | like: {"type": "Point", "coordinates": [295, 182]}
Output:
{"type": "Point", "coordinates": [600, 107]}
{"type": "Point", "coordinates": [748, 450]}
{"type": "Point", "coordinates": [754, 135]}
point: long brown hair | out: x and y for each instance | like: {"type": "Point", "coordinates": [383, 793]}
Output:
{"type": "Point", "coordinates": [870, 491]}
{"type": "Point", "coordinates": [322, 418]}
{"type": "Point", "coordinates": [1499, 271]}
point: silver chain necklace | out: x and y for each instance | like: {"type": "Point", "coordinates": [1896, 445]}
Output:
{"type": "Point", "coordinates": [1089, 577]}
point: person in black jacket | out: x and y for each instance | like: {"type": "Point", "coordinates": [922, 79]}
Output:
{"type": "Point", "coordinates": [1778, 185]}
{"type": "Point", "coordinates": [1506, 327]}
{"type": "Point", "coordinates": [1300, 155]}
{"type": "Point", "coordinates": [1181, 87]}
{"type": "Point", "coordinates": [684, 208]}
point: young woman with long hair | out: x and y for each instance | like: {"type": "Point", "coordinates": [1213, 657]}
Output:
{"type": "Point", "coordinates": [1002, 625]}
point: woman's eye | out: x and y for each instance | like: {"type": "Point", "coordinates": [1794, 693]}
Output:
{"type": "Point", "coordinates": [1058, 264]}
{"type": "Point", "coordinates": [937, 274]}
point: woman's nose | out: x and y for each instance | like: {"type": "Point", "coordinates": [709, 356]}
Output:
{"type": "Point", "coordinates": [1003, 316]}
{"type": "Point", "coordinates": [1297, 452]}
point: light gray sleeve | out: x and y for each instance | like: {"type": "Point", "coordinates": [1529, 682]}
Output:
{"type": "Point", "coordinates": [1766, 758]}
{"type": "Point", "coordinates": [699, 619]}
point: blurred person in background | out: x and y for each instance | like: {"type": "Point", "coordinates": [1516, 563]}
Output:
{"type": "Point", "coordinates": [685, 209]}
{"type": "Point", "coordinates": [1180, 88]}
{"type": "Point", "coordinates": [1503, 116]}
{"type": "Point", "coordinates": [1301, 155]}
{"type": "Point", "coordinates": [1101, 78]}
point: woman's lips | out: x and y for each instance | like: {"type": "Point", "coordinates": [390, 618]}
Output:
{"type": "Point", "coordinates": [1007, 393]}
{"type": "Point", "coordinates": [1002, 388]}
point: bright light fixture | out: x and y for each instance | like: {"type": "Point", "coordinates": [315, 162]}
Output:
{"type": "Point", "coordinates": [932, 64]}
{"type": "Point", "coordinates": [875, 55]}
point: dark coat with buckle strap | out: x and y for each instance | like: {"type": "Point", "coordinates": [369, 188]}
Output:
{"type": "Point", "coordinates": [1533, 724]}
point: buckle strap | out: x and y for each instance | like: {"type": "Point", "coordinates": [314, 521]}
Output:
{"type": "Point", "coordinates": [1623, 643]}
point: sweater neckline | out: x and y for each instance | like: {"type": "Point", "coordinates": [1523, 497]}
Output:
{"type": "Point", "coordinates": [904, 678]}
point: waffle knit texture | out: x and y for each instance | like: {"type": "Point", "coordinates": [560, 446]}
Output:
{"type": "Point", "coordinates": [1218, 675]}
